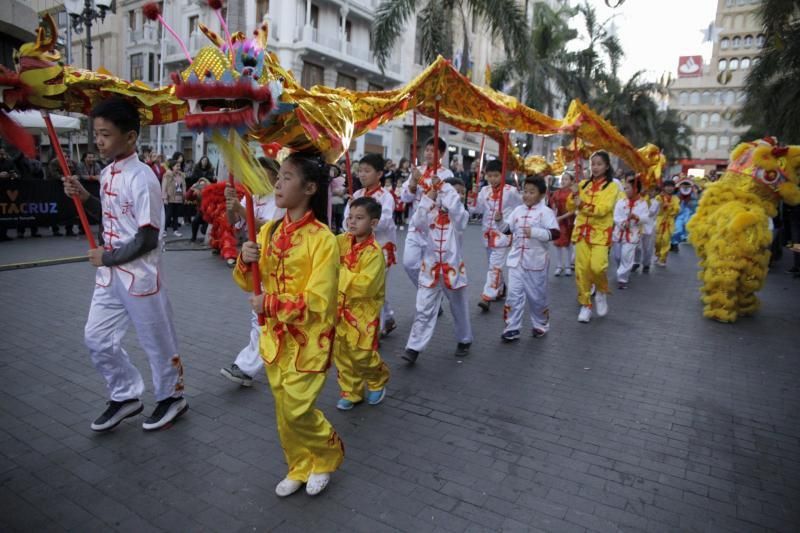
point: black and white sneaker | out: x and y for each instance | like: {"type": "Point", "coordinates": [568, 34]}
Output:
{"type": "Point", "coordinates": [235, 374]}
{"type": "Point", "coordinates": [510, 336]}
{"type": "Point", "coordinates": [165, 412]}
{"type": "Point", "coordinates": [116, 413]}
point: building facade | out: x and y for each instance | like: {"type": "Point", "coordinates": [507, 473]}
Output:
{"type": "Point", "coordinates": [709, 100]}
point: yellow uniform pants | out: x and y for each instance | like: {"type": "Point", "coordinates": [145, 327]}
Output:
{"type": "Point", "coordinates": [358, 368]}
{"type": "Point", "coordinates": [591, 267]}
{"type": "Point", "coordinates": [664, 240]}
{"type": "Point", "coordinates": [309, 442]}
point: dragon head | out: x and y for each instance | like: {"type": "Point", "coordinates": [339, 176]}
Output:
{"type": "Point", "coordinates": [769, 165]}
{"type": "Point", "coordinates": [38, 82]}
{"type": "Point", "coordinates": [238, 87]}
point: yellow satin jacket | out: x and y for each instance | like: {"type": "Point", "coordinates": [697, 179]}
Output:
{"type": "Point", "coordinates": [594, 222]}
{"type": "Point", "coordinates": [299, 273]}
{"type": "Point", "coordinates": [362, 278]}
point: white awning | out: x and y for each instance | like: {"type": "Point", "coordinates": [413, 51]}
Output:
{"type": "Point", "coordinates": [33, 122]}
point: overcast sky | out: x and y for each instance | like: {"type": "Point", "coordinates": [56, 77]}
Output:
{"type": "Point", "coordinates": [655, 32]}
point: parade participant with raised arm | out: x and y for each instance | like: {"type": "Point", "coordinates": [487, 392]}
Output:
{"type": "Point", "coordinates": [492, 198]}
{"type": "Point", "coordinates": [413, 190]}
{"type": "Point", "coordinates": [441, 219]}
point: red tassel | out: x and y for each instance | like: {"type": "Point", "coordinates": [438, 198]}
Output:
{"type": "Point", "coordinates": [16, 135]}
{"type": "Point", "coordinates": [215, 4]}
{"type": "Point", "coordinates": [151, 10]}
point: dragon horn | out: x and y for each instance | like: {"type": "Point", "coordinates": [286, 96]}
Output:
{"type": "Point", "coordinates": [152, 11]}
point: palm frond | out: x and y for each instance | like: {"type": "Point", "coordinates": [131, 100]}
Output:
{"type": "Point", "coordinates": [391, 20]}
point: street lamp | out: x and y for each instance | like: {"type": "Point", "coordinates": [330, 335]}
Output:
{"type": "Point", "coordinates": [84, 13]}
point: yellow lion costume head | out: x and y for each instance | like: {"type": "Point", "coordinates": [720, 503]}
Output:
{"type": "Point", "coordinates": [732, 230]}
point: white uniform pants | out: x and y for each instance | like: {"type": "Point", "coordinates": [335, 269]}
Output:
{"type": "Point", "coordinates": [645, 250]}
{"type": "Point", "coordinates": [113, 309]}
{"type": "Point", "coordinates": [249, 359]}
{"type": "Point", "coordinates": [565, 256]}
{"type": "Point", "coordinates": [627, 252]}
{"type": "Point", "coordinates": [494, 276]}
{"type": "Point", "coordinates": [428, 302]}
{"type": "Point", "coordinates": [527, 286]}
{"type": "Point", "coordinates": [387, 313]}
{"type": "Point", "coordinates": [412, 255]}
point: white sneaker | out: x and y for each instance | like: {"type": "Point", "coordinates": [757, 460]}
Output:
{"type": "Point", "coordinates": [288, 487]}
{"type": "Point", "coordinates": [585, 315]}
{"type": "Point", "coordinates": [662, 264]}
{"type": "Point", "coordinates": [316, 483]}
{"type": "Point", "coordinates": [177, 233]}
{"type": "Point", "coordinates": [568, 272]}
{"type": "Point", "coordinates": [559, 270]}
{"type": "Point", "coordinates": [601, 301]}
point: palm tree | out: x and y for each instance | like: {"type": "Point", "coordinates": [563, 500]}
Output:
{"type": "Point", "coordinates": [436, 24]}
{"type": "Point", "coordinates": [598, 61]}
{"type": "Point", "coordinates": [773, 84]}
{"type": "Point", "coordinates": [541, 73]}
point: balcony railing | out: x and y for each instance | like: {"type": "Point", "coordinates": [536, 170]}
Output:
{"type": "Point", "coordinates": [145, 35]}
{"type": "Point", "coordinates": [333, 42]}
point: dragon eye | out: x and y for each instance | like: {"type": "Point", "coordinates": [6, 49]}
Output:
{"type": "Point", "coordinates": [247, 71]}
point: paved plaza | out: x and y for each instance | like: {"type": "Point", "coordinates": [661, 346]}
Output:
{"type": "Point", "coordinates": [651, 419]}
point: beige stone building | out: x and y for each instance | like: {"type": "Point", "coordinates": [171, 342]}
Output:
{"type": "Point", "coordinates": [710, 101]}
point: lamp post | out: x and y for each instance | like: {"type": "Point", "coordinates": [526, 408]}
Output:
{"type": "Point", "coordinates": [83, 14]}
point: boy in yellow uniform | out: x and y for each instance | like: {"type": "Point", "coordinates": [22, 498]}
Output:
{"type": "Point", "coordinates": [362, 277]}
{"type": "Point", "coordinates": [669, 206]}
{"type": "Point", "coordinates": [594, 201]}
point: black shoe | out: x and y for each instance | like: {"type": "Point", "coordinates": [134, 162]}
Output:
{"type": "Point", "coordinates": [462, 350]}
{"type": "Point", "coordinates": [673, 248]}
{"type": "Point", "coordinates": [116, 413]}
{"type": "Point", "coordinates": [410, 356]}
{"type": "Point", "coordinates": [20, 235]}
{"type": "Point", "coordinates": [6, 238]}
{"type": "Point", "coordinates": [484, 305]}
{"type": "Point", "coordinates": [36, 235]}
{"type": "Point", "coordinates": [510, 336]}
{"type": "Point", "coordinates": [165, 412]}
{"type": "Point", "coordinates": [646, 269]}
{"type": "Point", "coordinates": [793, 270]}
{"type": "Point", "coordinates": [57, 234]}
{"type": "Point", "coordinates": [635, 267]}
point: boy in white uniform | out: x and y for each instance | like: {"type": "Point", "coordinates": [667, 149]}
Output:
{"type": "Point", "coordinates": [532, 226]}
{"type": "Point", "coordinates": [249, 361]}
{"type": "Point", "coordinates": [413, 190]}
{"type": "Point", "coordinates": [370, 174]}
{"type": "Point", "coordinates": [647, 244]}
{"type": "Point", "coordinates": [128, 285]}
{"type": "Point", "coordinates": [630, 215]}
{"type": "Point", "coordinates": [496, 243]}
{"type": "Point", "coordinates": [441, 219]}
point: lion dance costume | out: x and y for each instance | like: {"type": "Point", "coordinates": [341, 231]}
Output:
{"type": "Point", "coordinates": [731, 230]}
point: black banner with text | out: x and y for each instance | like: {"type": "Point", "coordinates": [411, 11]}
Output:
{"type": "Point", "coordinates": [39, 202]}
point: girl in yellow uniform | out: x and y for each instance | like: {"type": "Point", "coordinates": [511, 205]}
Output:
{"type": "Point", "coordinates": [669, 206]}
{"type": "Point", "coordinates": [594, 202]}
{"type": "Point", "coordinates": [362, 278]}
{"type": "Point", "coordinates": [299, 262]}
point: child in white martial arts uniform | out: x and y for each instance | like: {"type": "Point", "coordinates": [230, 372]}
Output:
{"type": "Point", "coordinates": [413, 189]}
{"type": "Point", "coordinates": [441, 219]}
{"type": "Point", "coordinates": [129, 288]}
{"type": "Point", "coordinates": [249, 361]}
{"type": "Point", "coordinates": [370, 174]}
{"type": "Point", "coordinates": [647, 244]}
{"type": "Point", "coordinates": [532, 226]}
{"type": "Point", "coordinates": [496, 243]}
{"type": "Point", "coordinates": [630, 215]}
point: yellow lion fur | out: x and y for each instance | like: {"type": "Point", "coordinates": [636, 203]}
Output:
{"type": "Point", "coordinates": [730, 230]}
